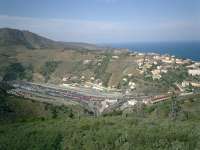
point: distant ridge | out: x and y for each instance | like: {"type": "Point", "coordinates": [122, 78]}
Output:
{"type": "Point", "coordinates": [14, 38]}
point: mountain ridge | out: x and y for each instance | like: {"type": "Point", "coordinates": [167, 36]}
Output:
{"type": "Point", "coordinates": [13, 37]}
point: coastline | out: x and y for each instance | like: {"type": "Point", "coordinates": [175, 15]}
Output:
{"type": "Point", "coordinates": [184, 50]}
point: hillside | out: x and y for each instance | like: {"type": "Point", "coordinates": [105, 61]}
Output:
{"type": "Point", "coordinates": [16, 109]}
{"type": "Point", "coordinates": [29, 40]}
{"type": "Point", "coordinates": [32, 53]}
{"type": "Point", "coordinates": [32, 125]}
{"type": "Point", "coordinates": [17, 38]}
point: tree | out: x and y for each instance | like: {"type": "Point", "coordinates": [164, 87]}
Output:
{"type": "Point", "coordinates": [17, 71]}
{"type": "Point", "coordinates": [48, 68]}
{"type": "Point", "coordinates": [140, 109]}
{"type": "Point", "coordinates": [54, 112]}
{"type": "Point", "coordinates": [71, 115]}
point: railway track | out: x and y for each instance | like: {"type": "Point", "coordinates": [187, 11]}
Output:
{"type": "Point", "coordinates": [61, 95]}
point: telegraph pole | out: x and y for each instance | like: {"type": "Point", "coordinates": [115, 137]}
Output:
{"type": "Point", "coordinates": [173, 107]}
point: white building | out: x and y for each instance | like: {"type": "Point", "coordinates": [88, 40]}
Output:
{"type": "Point", "coordinates": [164, 70]}
{"type": "Point", "coordinates": [115, 57]}
{"type": "Point", "coordinates": [156, 74]}
{"type": "Point", "coordinates": [125, 79]}
{"type": "Point", "coordinates": [195, 84]}
{"type": "Point", "coordinates": [132, 102]}
{"type": "Point", "coordinates": [155, 62]}
{"type": "Point", "coordinates": [185, 84]}
{"type": "Point", "coordinates": [141, 54]}
{"type": "Point", "coordinates": [158, 67]}
{"type": "Point", "coordinates": [92, 78]}
{"type": "Point", "coordinates": [157, 57]}
{"type": "Point", "coordinates": [130, 75]}
{"type": "Point", "coordinates": [179, 61]}
{"type": "Point", "coordinates": [64, 79]}
{"type": "Point", "coordinates": [194, 72]}
{"type": "Point", "coordinates": [86, 61]}
{"type": "Point", "coordinates": [156, 77]}
{"type": "Point", "coordinates": [167, 61]}
{"type": "Point", "coordinates": [111, 101]}
{"type": "Point", "coordinates": [131, 85]}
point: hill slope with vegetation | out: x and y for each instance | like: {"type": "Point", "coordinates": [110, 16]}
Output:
{"type": "Point", "coordinates": [26, 124]}
{"type": "Point", "coordinates": [13, 38]}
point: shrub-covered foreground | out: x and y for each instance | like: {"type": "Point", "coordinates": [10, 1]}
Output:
{"type": "Point", "coordinates": [38, 126]}
{"type": "Point", "coordinates": [101, 133]}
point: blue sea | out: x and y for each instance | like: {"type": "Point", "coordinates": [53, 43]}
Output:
{"type": "Point", "coordinates": [189, 50]}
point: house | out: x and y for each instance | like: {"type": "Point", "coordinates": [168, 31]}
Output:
{"type": "Point", "coordinates": [195, 84]}
{"type": "Point", "coordinates": [194, 72]}
{"type": "Point", "coordinates": [195, 65]}
{"type": "Point", "coordinates": [125, 79]}
{"type": "Point", "coordinates": [115, 57]}
{"type": "Point", "coordinates": [92, 78]}
{"type": "Point", "coordinates": [166, 60]}
{"type": "Point", "coordinates": [158, 67]}
{"type": "Point", "coordinates": [132, 102]}
{"type": "Point", "coordinates": [191, 66]}
{"type": "Point", "coordinates": [140, 54]}
{"type": "Point", "coordinates": [155, 62]}
{"type": "Point", "coordinates": [155, 71]}
{"type": "Point", "coordinates": [111, 101]}
{"type": "Point", "coordinates": [156, 74]}
{"type": "Point", "coordinates": [157, 57]}
{"type": "Point", "coordinates": [131, 85]}
{"type": "Point", "coordinates": [87, 61]}
{"type": "Point", "coordinates": [130, 75]}
{"type": "Point", "coordinates": [180, 61]}
{"type": "Point", "coordinates": [64, 79]}
{"type": "Point", "coordinates": [82, 77]}
{"type": "Point", "coordinates": [185, 84]}
{"type": "Point", "coordinates": [147, 66]}
{"type": "Point", "coordinates": [164, 70]}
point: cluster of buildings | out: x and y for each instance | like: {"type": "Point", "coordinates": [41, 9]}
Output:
{"type": "Point", "coordinates": [155, 65]}
{"type": "Point", "coordinates": [194, 69]}
{"type": "Point", "coordinates": [88, 83]}
{"type": "Point", "coordinates": [130, 84]}
{"type": "Point", "coordinates": [150, 65]}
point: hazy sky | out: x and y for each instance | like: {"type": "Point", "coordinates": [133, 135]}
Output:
{"type": "Point", "coordinates": [105, 20]}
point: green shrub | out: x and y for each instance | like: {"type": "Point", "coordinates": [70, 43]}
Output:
{"type": "Point", "coordinates": [48, 68]}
